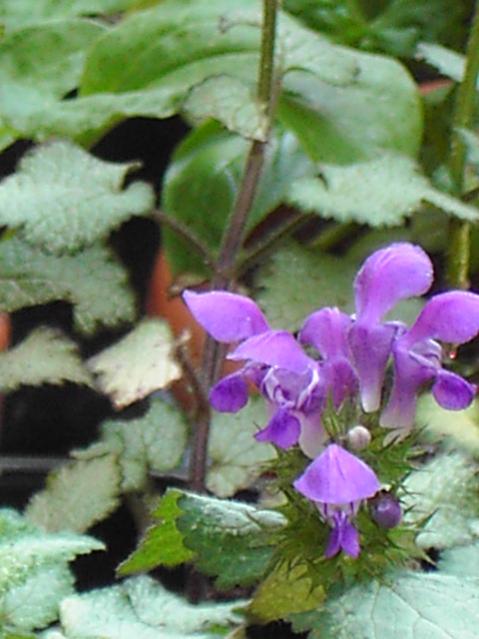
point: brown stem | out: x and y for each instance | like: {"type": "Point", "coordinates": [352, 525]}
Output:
{"type": "Point", "coordinates": [225, 272]}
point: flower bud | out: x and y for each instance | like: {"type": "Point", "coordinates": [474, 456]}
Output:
{"type": "Point", "coordinates": [385, 510]}
{"type": "Point", "coordinates": [358, 437]}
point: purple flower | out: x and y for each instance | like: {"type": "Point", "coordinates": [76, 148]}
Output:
{"type": "Point", "coordinates": [338, 482]}
{"type": "Point", "coordinates": [450, 317]}
{"type": "Point", "coordinates": [389, 275]}
{"type": "Point", "coordinates": [275, 363]}
{"type": "Point", "coordinates": [385, 510]}
{"type": "Point", "coordinates": [327, 330]}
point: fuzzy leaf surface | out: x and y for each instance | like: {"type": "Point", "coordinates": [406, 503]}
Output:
{"type": "Point", "coordinates": [63, 198]}
{"type": "Point", "coordinates": [163, 543]}
{"type": "Point", "coordinates": [44, 357]}
{"type": "Point", "coordinates": [237, 459]}
{"type": "Point", "coordinates": [138, 364]}
{"type": "Point", "coordinates": [444, 490]}
{"type": "Point", "coordinates": [93, 281]}
{"type": "Point", "coordinates": [141, 608]}
{"type": "Point", "coordinates": [325, 281]}
{"type": "Point", "coordinates": [77, 495]}
{"type": "Point", "coordinates": [407, 606]}
{"type": "Point", "coordinates": [154, 442]}
{"type": "Point", "coordinates": [462, 561]}
{"type": "Point", "coordinates": [228, 539]}
{"type": "Point", "coordinates": [460, 428]}
{"type": "Point", "coordinates": [231, 539]}
{"type": "Point", "coordinates": [380, 192]}
{"type": "Point", "coordinates": [24, 549]}
{"type": "Point", "coordinates": [34, 603]}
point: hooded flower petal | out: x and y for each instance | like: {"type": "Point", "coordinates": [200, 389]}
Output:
{"type": "Point", "coordinates": [452, 391]}
{"type": "Point", "coordinates": [449, 317]}
{"type": "Point", "coordinates": [282, 430]}
{"type": "Point", "coordinates": [274, 348]}
{"type": "Point", "coordinates": [389, 275]}
{"type": "Point", "coordinates": [327, 331]}
{"type": "Point", "coordinates": [226, 316]}
{"type": "Point", "coordinates": [230, 394]}
{"type": "Point", "coordinates": [337, 477]}
{"type": "Point", "coordinates": [370, 348]}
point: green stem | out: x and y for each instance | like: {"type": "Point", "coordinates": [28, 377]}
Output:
{"type": "Point", "coordinates": [185, 232]}
{"type": "Point", "coordinates": [458, 256]}
{"type": "Point", "coordinates": [225, 272]}
{"type": "Point", "coordinates": [264, 247]}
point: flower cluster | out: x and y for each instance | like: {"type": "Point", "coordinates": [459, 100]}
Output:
{"type": "Point", "coordinates": [353, 353]}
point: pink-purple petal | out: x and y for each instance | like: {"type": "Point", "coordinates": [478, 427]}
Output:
{"type": "Point", "coordinates": [449, 317]}
{"type": "Point", "coordinates": [283, 430]}
{"type": "Point", "coordinates": [410, 373]}
{"type": "Point", "coordinates": [343, 536]}
{"type": "Point", "coordinates": [337, 477]}
{"type": "Point", "coordinates": [452, 391]}
{"type": "Point", "coordinates": [227, 317]}
{"type": "Point", "coordinates": [230, 394]}
{"type": "Point", "coordinates": [350, 540]}
{"type": "Point", "coordinates": [327, 331]}
{"type": "Point", "coordinates": [274, 348]}
{"type": "Point", "coordinates": [370, 348]}
{"type": "Point", "coordinates": [389, 275]}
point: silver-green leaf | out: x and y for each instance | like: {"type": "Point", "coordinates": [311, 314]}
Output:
{"type": "Point", "coordinates": [44, 357]}
{"type": "Point", "coordinates": [64, 198]}
{"type": "Point", "coordinates": [379, 192]}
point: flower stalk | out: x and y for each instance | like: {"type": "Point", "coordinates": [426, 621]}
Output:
{"type": "Point", "coordinates": [225, 267]}
{"type": "Point", "coordinates": [459, 251]}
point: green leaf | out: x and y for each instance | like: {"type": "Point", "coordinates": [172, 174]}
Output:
{"type": "Point", "coordinates": [231, 540]}
{"type": "Point", "coordinates": [325, 281]}
{"type": "Point", "coordinates": [228, 539]}
{"type": "Point", "coordinates": [380, 192]}
{"type": "Point", "coordinates": [443, 493]}
{"type": "Point", "coordinates": [39, 64]}
{"type": "Point", "coordinates": [356, 121]}
{"type": "Point", "coordinates": [458, 428]}
{"type": "Point", "coordinates": [17, 13]}
{"type": "Point", "coordinates": [154, 442]}
{"type": "Point", "coordinates": [46, 356]}
{"type": "Point", "coordinates": [24, 549]}
{"type": "Point", "coordinates": [188, 44]}
{"type": "Point", "coordinates": [77, 495]}
{"type": "Point", "coordinates": [162, 544]}
{"type": "Point", "coordinates": [408, 605]}
{"type": "Point", "coordinates": [63, 198]}
{"type": "Point", "coordinates": [208, 167]}
{"type": "Point", "coordinates": [285, 591]}
{"type": "Point", "coordinates": [143, 609]}
{"type": "Point", "coordinates": [447, 62]}
{"type": "Point", "coordinates": [231, 102]}
{"type": "Point", "coordinates": [138, 364]}
{"type": "Point", "coordinates": [34, 604]}
{"type": "Point", "coordinates": [472, 146]}
{"type": "Point", "coordinates": [91, 280]}
{"type": "Point", "coordinates": [237, 459]}
{"type": "Point", "coordinates": [462, 561]}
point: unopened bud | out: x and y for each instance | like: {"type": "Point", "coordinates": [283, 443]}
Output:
{"type": "Point", "coordinates": [358, 437]}
{"type": "Point", "coordinates": [385, 510]}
